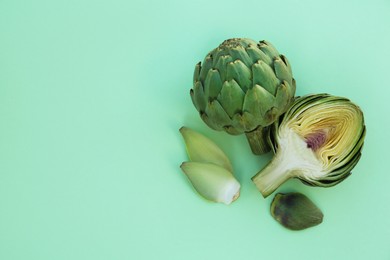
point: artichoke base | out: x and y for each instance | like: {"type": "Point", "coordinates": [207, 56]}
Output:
{"type": "Point", "coordinates": [293, 159]}
{"type": "Point", "coordinates": [258, 140]}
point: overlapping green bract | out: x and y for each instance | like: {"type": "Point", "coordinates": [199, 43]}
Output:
{"type": "Point", "coordinates": [242, 85]}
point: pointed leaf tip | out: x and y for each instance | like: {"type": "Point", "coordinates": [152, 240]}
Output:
{"type": "Point", "coordinates": [202, 149]}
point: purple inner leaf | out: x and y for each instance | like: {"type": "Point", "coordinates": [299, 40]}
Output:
{"type": "Point", "coordinates": [315, 140]}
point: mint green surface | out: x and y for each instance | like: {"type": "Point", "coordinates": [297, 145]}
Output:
{"type": "Point", "coordinates": [93, 93]}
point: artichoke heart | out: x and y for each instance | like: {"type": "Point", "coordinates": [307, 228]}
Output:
{"type": "Point", "coordinates": [243, 86]}
{"type": "Point", "coordinates": [318, 140]}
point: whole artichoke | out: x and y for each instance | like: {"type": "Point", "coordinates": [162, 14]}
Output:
{"type": "Point", "coordinates": [243, 86]}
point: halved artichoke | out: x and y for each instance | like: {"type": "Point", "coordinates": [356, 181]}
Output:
{"type": "Point", "coordinates": [318, 140]}
{"type": "Point", "coordinates": [243, 86]}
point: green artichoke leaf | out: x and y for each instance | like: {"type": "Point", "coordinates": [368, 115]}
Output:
{"type": "Point", "coordinates": [221, 65]}
{"type": "Point", "coordinates": [271, 115]}
{"type": "Point", "coordinates": [198, 97]}
{"type": "Point", "coordinates": [283, 96]}
{"type": "Point", "coordinates": [268, 49]}
{"type": "Point", "coordinates": [256, 54]}
{"type": "Point", "coordinates": [281, 70]}
{"type": "Point", "coordinates": [233, 130]}
{"type": "Point", "coordinates": [245, 122]}
{"type": "Point", "coordinates": [197, 72]}
{"type": "Point", "coordinates": [207, 65]}
{"type": "Point", "coordinates": [210, 122]}
{"type": "Point", "coordinates": [285, 60]}
{"type": "Point", "coordinates": [238, 71]}
{"type": "Point", "coordinates": [212, 84]}
{"type": "Point", "coordinates": [264, 76]}
{"type": "Point", "coordinates": [202, 149]}
{"type": "Point", "coordinates": [239, 53]}
{"type": "Point", "coordinates": [217, 114]}
{"type": "Point", "coordinates": [257, 102]}
{"type": "Point", "coordinates": [231, 97]}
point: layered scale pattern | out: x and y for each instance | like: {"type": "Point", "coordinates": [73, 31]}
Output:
{"type": "Point", "coordinates": [242, 85]}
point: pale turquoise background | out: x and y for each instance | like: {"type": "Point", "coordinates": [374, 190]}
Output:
{"type": "Point", "coordinates": [92, 94]}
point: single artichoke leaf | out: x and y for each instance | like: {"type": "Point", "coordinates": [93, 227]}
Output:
{"type": "Point", "coordinates": [221, 65]}
{"type": "Point", "coordinates": [207, 65]}
{"type": "Point", "coordinates": [212, 84]}
{"type": "Point", "coordinates": [198, 66]}
{"type": "Point", "coordinates": [285, 60]}
{"type": "Point", "coordinates": [281, 70]}
{"type": "Point", "coordinates": [245, 121]}
{"type": "Point", "coordinates": [238, 124]}
{"type": "Point", "coordinates": [216, 113]}
{"type": "Point", "coordinates": [245, 42]}
{"type": "Point", "coordinates": [293, 86]}
{"type": "Point", "coordinates": [258, 101]}
{"type": "Point", "coordinates": [232, 130]}
{"type": "Point", "coordinates": [290, 88]}
{"type": "Point", "coordinates": [268, 49]}
{"type": "Point", "coordinates": [198, 97]}
{"type": "Point", "coordinates": [271, 115]}
{"type": "Point", "coordinates": [231, 97]}
{"type": "Point", "coordinates": [256, 54]}
{"type": "Point", "coordinates": [202, 149]}
{"type": "Point", "coordinates": [217, 54]}
{"type": "Point", "coordinates": [295, 211]}
{"type": "Point", "coordinates": [239, 53]}
{"type": "Point", "coordinates": [210, 122]}
{"type": "Point", "coordinates": [283, 97]}
{"type": "Point", "coordinates": [264, 76]}
{"type": "Point", "coordinates": [238, 71]}
{"type": "Point", "coordinates": [212, 181]}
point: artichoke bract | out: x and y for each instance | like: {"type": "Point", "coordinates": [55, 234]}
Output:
{"type": "Point", "coordinates": [243, 86]}
{"type": "Point", "coordinates": [318, 140]}
{"type": "Point", "coordinates": [209, 169]}
{"type": "Point", "coordinates": [295, 211]}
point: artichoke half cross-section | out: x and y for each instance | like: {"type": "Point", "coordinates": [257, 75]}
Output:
{"type": "Point", "coordinates": [318, 140]}
{"type": "Point", "coordinates": [243, 86]}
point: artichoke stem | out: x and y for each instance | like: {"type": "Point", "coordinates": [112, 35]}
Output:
{"type": "Point", "coordinates": [272, 176]}
{"type": "Point", "coordinates": [258, 140]}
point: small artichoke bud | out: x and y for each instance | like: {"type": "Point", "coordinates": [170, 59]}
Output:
{"type": "Point", "coordinates": [295, 211]}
